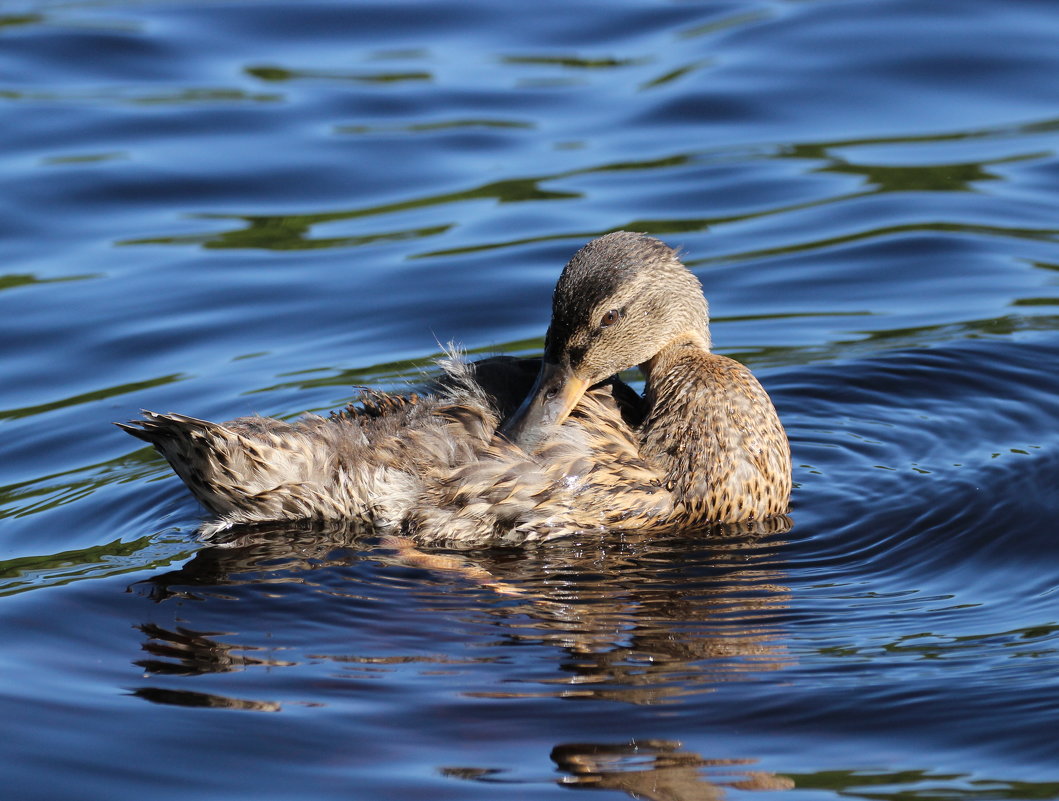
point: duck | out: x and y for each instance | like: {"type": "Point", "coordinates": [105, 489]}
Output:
{"type": "Point", "coordinates": [511, 451]}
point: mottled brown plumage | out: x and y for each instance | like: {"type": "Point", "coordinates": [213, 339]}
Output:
{"type": "Point", "coordinates": [712, 431]}
{"type": "Point", "coordinates": [582, 452]}
{"type": "Point", "coordinates": [709, 428]}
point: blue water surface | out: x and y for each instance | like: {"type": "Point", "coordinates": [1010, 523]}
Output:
{"type": "Point", "coordinates": [234, 206]}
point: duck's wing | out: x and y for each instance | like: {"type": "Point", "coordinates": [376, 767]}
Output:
{"type": "Point", "coordinates": [502, 381]}
{"type": "Point", "coordinates": [586, 476]}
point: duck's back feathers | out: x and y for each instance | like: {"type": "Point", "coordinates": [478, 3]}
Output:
{"type": "Point", "coordinates": [429, 464]}
{"type": "Point", "coordinates": [588, 475]}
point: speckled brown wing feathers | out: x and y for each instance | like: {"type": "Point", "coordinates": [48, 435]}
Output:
{"type": "Point", "coordinates": [588, 476]}
{"type": "Point", "coordinates": [431, 466]}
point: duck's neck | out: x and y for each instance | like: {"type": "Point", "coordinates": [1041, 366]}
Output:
{"type": "Point", "coordinates": [712, 431]}
{"type": "Point", "coordinates": [676, 392]}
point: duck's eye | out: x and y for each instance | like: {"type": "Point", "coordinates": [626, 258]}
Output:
{"type": "Point", "coordinates": [610, 318]}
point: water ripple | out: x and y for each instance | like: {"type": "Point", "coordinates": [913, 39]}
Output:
{"type": "Point", "coordinates": [276, 202]}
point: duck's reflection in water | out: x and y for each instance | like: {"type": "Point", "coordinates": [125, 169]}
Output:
{"type": "Point", "coordinates": [657, 770]}
{"type": "Point", "coordinates": [639, 620]}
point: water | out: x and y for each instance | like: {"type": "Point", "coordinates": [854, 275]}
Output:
{"type": "Point", "coordinates": [226, 207]}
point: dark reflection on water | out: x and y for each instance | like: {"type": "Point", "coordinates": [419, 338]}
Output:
{"type": "Point", "coordinates": [290, 231]}
{"type": "Point", "coordinates": [632, 619]}
{"type": "Point", "coordinates": [293, 231]}
{"type": "Point", "coordinates": [658, 770]}
{"type": "Point", "coordinates": [206, 700]}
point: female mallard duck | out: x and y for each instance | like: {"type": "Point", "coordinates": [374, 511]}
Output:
{"type": "Point", "coordinates": [703, 445]}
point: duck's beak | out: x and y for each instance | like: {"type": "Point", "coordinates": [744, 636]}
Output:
{"type": "Point", "coordinates": [554, 395]}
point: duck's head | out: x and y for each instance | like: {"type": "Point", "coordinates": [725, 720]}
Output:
{"type": "Point", "coordinates": [621, 299]}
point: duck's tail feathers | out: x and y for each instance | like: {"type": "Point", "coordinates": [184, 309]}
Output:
{"type": "Point", "coordinates": [157, 428]}
{"type": "Point", "coordinates": [248, 470]}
